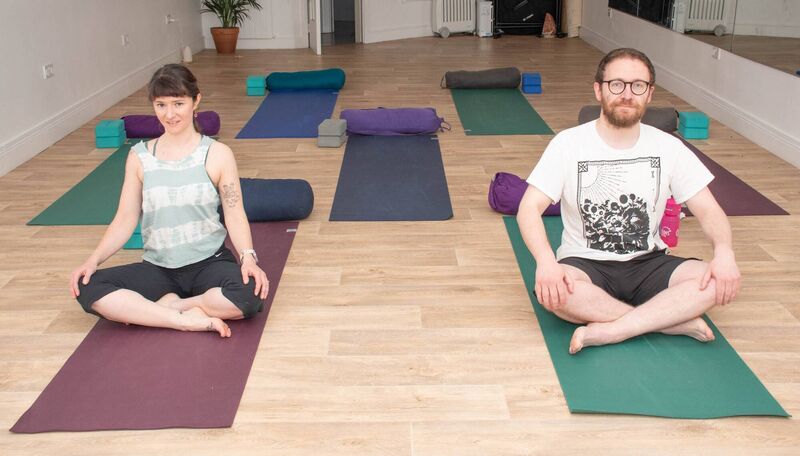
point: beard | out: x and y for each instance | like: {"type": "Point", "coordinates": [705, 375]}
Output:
{"type": "Point", "coordinates": [620, 120]}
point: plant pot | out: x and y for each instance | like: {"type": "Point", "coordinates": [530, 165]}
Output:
{"type": "Point", "coordinates": [225, 39]}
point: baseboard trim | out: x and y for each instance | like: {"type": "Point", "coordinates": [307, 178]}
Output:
{"type": "Point", "coordinates": [765, 135]}
{"type": "Point", "coordinates": [396, 33]}
{"type": "Point", "coordinates": [39, 137]}
{"type": "Point", "coordinates": [278, 42]}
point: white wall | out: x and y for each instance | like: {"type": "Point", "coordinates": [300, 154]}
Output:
{"type": "Point", "coordinates": [385, 20]}
{"type": "Point", "coordinates": [768, 18]}
{"type": "Point", "coordinates": [280, 24]}
{"type": "Point", "coordinates": [757, 101]}
{"type": "Point", "coordinates": [93, 71]}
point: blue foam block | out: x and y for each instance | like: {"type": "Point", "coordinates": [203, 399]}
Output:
{"type": "Point", "coordinates": [531, 88]}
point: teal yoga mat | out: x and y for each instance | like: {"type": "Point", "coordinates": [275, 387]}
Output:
{"type": "Point", "coordinates": [92, 201]}
{"type": "Point", "coordinates": [497, 112]}
{"type": "Point", "coordinates": [654, 374]}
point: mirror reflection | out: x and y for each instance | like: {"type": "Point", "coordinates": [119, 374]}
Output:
{"type": "Point", "coordinates": [765, 31]}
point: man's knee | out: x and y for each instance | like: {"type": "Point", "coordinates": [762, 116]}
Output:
{"type": "Point", "coordinates": [688, 270]}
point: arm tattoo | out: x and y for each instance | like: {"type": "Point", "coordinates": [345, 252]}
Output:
{"type": "Point", "coordinates": [230, 195]}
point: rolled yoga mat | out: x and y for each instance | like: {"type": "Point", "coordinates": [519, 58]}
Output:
{"type": "Point", "coordinates": [494, 78]}
{"type": "Point", "coordinates": [290, 114]}
{"type": "Point", "coordinates": [331, 78]}
{"type": "Point", "coordinates": [734, 195]}
{"type": "Point", "coordinates": [391, 178]}
{"type": "Point", "coordinates": [133, 377]}
{"type": "Point", "coordinates": [497, 112]}
{"type": "Point", "coordinates": [665, 119]}
{"type": "Point", "coordinates": [653, 374]}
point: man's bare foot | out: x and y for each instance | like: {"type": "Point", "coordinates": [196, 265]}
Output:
{"type": "Point", "coordinates": [595, 334]}
{"type": "Point", "coordinates": [587, 336]}
{"type": "Point", "coordinates": [696, 328]}
{"type": "Point", "coordinates": [195, 319]}
{"type": "Point", "coordinates": [168, 299]}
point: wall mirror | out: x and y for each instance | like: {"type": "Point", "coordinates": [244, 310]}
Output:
{"type": "Point", "coordinates": [765, 31]}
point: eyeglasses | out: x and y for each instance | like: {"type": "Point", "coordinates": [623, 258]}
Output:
{"type": "Point", "coordinates": [617, 86]}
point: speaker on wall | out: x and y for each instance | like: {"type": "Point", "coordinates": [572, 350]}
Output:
{"type": "Point", "coordinates": [525, 16]}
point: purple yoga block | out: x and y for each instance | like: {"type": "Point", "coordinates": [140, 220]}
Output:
{"type": "Point", "coordinates": [391, 122]}
{"type": "Point", "coordinates": [147, 126]}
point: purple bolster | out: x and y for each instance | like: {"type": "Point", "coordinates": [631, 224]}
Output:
{"type": "Point", "coordinates": [148, 126]}
{"type": "Point", "coordinates": [390, 122]}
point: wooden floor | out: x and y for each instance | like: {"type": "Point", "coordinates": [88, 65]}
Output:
{"type": "Point", "coordinates": [411, 338]}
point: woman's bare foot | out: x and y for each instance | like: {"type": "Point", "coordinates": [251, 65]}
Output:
{"type": "Point", "coordinates": [195, 319]}
{"type": "Point", "coordinates": [168, 299]}
{"type": "Point", "coordinates": [696, 328]}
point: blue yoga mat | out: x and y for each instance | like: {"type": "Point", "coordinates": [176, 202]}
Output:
{"type": "Point", "coordinates": [392, 178]}
{"type": "Point", "coordinates": [290, 114]}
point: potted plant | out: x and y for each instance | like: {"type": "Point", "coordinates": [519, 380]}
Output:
{"type": "Point", "coordinates": [231, 13]}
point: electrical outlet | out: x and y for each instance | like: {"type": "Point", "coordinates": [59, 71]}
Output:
{"type": "Point", "coordinates": [126, 39]}
{"type": "Point", "coordinates": [48, 71]}
{"type": "Point", "coordinates": [610, 15]}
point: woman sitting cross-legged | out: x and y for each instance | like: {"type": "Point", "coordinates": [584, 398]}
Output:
{"type": "Point", "coordinates": [188, 279]}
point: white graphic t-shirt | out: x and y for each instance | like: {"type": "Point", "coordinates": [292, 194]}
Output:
{"type": "Point", "coordinates": [612, 200]}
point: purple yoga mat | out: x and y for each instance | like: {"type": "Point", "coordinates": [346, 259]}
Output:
{"type": "Point", "coordinates": [734, 195]}
{"type": "Point", "coordinates": [132, 377]}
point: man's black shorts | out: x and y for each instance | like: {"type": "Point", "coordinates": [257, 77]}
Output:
{"type": "Point", "coordinates": [634, 281]}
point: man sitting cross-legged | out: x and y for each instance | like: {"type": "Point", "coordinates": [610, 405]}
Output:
{"type": "Point", "coordinates": [613, 177]}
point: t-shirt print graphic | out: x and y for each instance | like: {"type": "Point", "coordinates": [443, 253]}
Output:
{"type": "Point", "coordinates": [616, 198]}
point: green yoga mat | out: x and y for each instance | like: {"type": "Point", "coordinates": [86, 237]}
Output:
{"type": "Point", "coordinates": [92, 201]}
{"type": "Point", "coordinates": [497, 112]}
{"type": "Point", "coordinates": [654, 374]}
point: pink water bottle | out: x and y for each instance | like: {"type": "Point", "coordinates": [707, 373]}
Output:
{"type": "Point", "coordinates": [671, 223]}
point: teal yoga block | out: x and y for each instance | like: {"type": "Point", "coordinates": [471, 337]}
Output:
{"type": "Point", "coordinates": [256, 91]}
{"type": "Point", "coordinates": [693, 119]}
{"type": "Point", "coordinates": [135, 242]}
{"type": "Point", "coordinates": [110, 127]}
{"type": "Point", "coordinates": [256, 81]}
{"type": "Point", "coordinates": [692, 133]}
{"type": "Point", "coordinates": [108, 142]}
{"type": "Point", "coordinates": [109, 133]}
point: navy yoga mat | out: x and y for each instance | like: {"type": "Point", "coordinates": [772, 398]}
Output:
{"type": "Point", "coordinates": [133, 377]}
{"type": "Point", "coordinates": [290, 114]}
{"type": "Point", "coordinates": [392, 178]}
{"type": "Point", "coordinates": [734, 195]}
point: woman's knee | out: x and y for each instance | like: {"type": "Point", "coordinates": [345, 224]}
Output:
{"type": "Point", "coordinates": [243, 297]}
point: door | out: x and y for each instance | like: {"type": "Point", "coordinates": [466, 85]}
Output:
{"type": "Point", "coordinates": [314, 26]}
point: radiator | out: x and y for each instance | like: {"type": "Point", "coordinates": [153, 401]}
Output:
{"type": "Point", "coordinates": [709, 15]}
{"type": "Point", "coordinates": [452, 16]}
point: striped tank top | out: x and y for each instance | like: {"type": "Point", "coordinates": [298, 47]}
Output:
{"type": "Point", "coordinates": [180, 222]}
